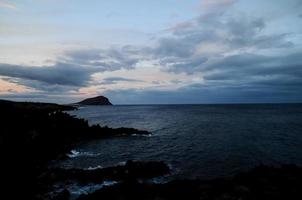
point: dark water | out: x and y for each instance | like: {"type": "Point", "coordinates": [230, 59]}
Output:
{"type": "Point", "coordinates": [198, 141]}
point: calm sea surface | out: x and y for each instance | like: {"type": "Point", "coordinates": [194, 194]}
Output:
{"type": "Point", "coordinates": [198, 141]}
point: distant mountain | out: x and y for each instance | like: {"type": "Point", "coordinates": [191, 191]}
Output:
{"type": "Point", "coordinates": [96, 101]}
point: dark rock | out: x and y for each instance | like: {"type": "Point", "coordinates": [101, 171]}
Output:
{"type": "Point", "coordinates": [33, 134]}
{"type": "Point", "coordinates": [131, 170]}
{"type": "Point", "coordinates": [63, 195]}
{"type": "Point", "coordinates": [107, 132]}
{"type": "Point", "coordinates": [261, 183]}
{"type": "Point", "coordinates": [96, 101]}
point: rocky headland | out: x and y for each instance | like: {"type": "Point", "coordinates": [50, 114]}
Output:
{"type": "Point", "coordinates": [95, 101]}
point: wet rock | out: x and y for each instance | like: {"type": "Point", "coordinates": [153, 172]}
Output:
{"type": "Point", "coordinates": [63, 195]}
{"type": "Point", "coordinates": [131, 170]}
{"type": "Point", "coordinates": [261, 183]}
{"type": "Point", "coordinates": [33, 134]}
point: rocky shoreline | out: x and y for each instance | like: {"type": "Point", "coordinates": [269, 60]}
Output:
{"type": "Point", "coordinates": [130, 171]}
{"type": "Point", "coordinates": [33, 134]}
{"type": "Point", "coordinates": [263, 182]}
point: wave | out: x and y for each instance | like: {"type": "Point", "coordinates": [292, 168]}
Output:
{"type": "Point", "coordinates": [75, 153]}
{"type": "Point", "coordinates": [156, 180]}
{"type": "Point", "coordinates": [77, 190]}
{"type": "Point", "coordinates": [121, 163]}
{"type": "Point", "coordinates": [142, 135]}
{"type": "Point", "coordinates": [94, 168]}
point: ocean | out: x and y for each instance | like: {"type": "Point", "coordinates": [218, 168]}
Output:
{"type": "Point", "coordinates": [196, 141]}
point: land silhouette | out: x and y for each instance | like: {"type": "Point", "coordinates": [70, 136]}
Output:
{"type": "Point", "coordinates": [95, 101]}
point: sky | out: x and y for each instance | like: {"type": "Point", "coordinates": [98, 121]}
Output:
{"type": "Point", "coordinates": [151, 52]}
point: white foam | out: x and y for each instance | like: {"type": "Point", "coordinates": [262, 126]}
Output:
{"type": "Point", "coordinates": [75, 153]}
{"type": "Point", "coordinates": [109, 183]}
{"type": "Point", "coordinates": [121, 163]}
{"type": "Point", "coordinates": [156, 180]}
{"type": "Point", "coordinates": [93, 168]}
{"type": "Point", "coordinates": [142, 135]}
{"type": "Point", "coordinates": [77, 190]}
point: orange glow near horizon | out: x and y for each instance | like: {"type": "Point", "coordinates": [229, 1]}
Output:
{"type": "Point", "coordinates": [8, 88]}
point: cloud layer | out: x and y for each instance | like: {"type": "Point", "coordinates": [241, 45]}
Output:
{"type": "Point", "coordinates": [229, 56]}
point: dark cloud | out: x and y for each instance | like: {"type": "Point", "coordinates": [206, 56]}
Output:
{"type": "Point", "coordinates": [73, 70]}
{"type": "Point", "coordinates": [180, 52]}
{"type": "Point", "coordinates": [176, 81]}
{"type": "Point", "coordinates": [191, 65]}
{"type": "Point", "coordinates": [41, 86]}
{"type": "Point", "coordinates": [156, 82]}
{"type": "Point", "coordinates": [259, 75]}
{"type": "Point", "coordinates": [107, 60]}
{"type": "Point", "coordinates": [249, 65]}
{"type": "Point", "coordinates": [84, 56]}
{"type": "Point", "coordinates": [174, 47]}
{"type": "Point", "coordinates": [114, 80]}
{"type": "Point", "coordinates": [58, 74]}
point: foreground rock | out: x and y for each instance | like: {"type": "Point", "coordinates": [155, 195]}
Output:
{"type": "Point", "coordinates": [32, 134]}
{"type": "Point", "coordinates": [262, 183]}
{"type": "Point", "coordinates": [130, 171]}
{"type": "Point", "coordinates": [42, 131]}
{"type": "Point", "coordinates": [95, 101]}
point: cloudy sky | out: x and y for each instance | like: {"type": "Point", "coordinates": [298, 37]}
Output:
{"type": "Point", "coordinates": [160, 51]}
